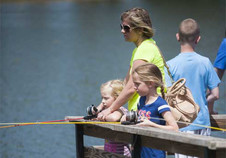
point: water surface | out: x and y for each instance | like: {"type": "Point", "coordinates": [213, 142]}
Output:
{"type": "Point", "coordinates": [55, 55]}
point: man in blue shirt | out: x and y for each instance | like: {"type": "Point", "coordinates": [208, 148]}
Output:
{"type": "Point", "coordinates": [220, 61]}
{"type": "Point", "coordinates": [220, 66]}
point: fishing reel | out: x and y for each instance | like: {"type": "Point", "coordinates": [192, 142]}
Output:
{"type": "Point", "coordinates": [131, 118]}
{"type": "Point", "coordinates": [91, 112]}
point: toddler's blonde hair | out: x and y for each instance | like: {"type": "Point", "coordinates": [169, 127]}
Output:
{"type": "Point", "coordinates": [116, 86]}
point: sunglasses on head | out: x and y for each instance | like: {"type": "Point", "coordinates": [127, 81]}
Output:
{"type": "Point", "coordinates": [126, 28]}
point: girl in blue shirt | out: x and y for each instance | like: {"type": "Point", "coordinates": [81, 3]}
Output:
{"type": "Point", "coordinates": [152, 108]}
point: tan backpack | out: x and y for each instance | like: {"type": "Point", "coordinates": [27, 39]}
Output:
{"type": "Point", "coordinates": [181, 102]}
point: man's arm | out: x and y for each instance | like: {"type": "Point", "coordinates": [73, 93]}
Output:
{"type": "Point", "coordinates": [213, 96]}
{"type": "Point", "coordinates": [220, 73]}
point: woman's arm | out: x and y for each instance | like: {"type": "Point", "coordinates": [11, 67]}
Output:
{"type": "Point", "coordinates": [124, 96]}
{"type": "Point", "coordinates": [127, 76]}
{"type": "Point", "coordinates": [170, 122]}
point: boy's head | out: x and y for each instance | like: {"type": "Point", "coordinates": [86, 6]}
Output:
{"type": "Point", "coordinates": [189, 32]}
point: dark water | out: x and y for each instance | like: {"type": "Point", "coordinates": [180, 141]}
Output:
{"type": "Point", "coordinates": [55, 55]}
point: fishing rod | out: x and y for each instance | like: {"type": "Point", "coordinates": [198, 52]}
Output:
{"type": "Point", "coordinates": [91, 111]}
{"type": "Point", "coordinates": [7, 125]}
{"type": "Point", "coordinates": [131, 119]}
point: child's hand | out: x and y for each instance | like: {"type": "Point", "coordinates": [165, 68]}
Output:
{"type": "Point", "coordinates": [145, 122]}
{"type": "Point", "coordinates": [123, 118]}
{"type": "Point", "coordinates": [103, 114]}
{"type": "Point", "coordinates": [94, 119]}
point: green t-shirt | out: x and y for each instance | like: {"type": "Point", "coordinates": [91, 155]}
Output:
{"type": "Point", "coordinates": [149, 52]}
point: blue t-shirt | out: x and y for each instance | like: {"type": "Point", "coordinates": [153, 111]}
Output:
{"type": "Point", "coordinates": [200, 76]}
{"type": "Point", "coordinates": [152, 112]}
{"type": "Point", "coordinates": [220, 61]}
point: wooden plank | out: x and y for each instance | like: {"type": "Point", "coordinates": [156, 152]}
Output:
{"type": "Point", "coordinates": [171, 141]}
{"type": "Point", "coordinates": [91, 152]}
{"type": "Point", "coordinates": [205, 141]}
{"type": "Point", "coordinates": [151, 142]}
{"type": "Point", "coordinates": [218, 121]}
{"type": "Point", "coordinates": [107, 133]}
{"type": "Point", "coordinates": [79, 141]}
{"type": "Point", "coordinates": [221, 153]}
{"type": "Point", "coordinates": [136, 146]}
{"type": "Point", "coordinates": [212, 142]}
{"type": "Point", "coordinates": [99, 147]}
{"type": "Point", "coordinates": [172, 146]}
{"type": "Point", "coordinates": [156, 138]}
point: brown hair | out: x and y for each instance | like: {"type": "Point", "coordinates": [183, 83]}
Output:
{"type": "Point", "coordinates": [189, 31]}
{"type": "Point", "coordinates": [150, 72]}
{"type": "Point", "coordinates": [139, 18]}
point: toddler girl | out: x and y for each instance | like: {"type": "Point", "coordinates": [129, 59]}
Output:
{"type": "Point", "coordinates": [109, 92]}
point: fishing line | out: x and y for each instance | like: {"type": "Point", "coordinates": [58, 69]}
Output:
{"type": "Point", "coordinates": [133, 118]}
{"type": "Point", "coordinates": [216, 128]}
{"type": "Point", "coordinates": [8, 125]}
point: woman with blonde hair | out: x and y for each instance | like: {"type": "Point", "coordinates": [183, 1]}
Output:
{"type": "Point", "coordinates": [136, 27]}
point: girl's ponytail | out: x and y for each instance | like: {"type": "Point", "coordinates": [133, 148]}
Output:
{"type": "Point", "coordinates": [162, 91]}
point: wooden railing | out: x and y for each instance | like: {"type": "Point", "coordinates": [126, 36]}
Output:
{"type": "Point", "coordinates": [171, 141]}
